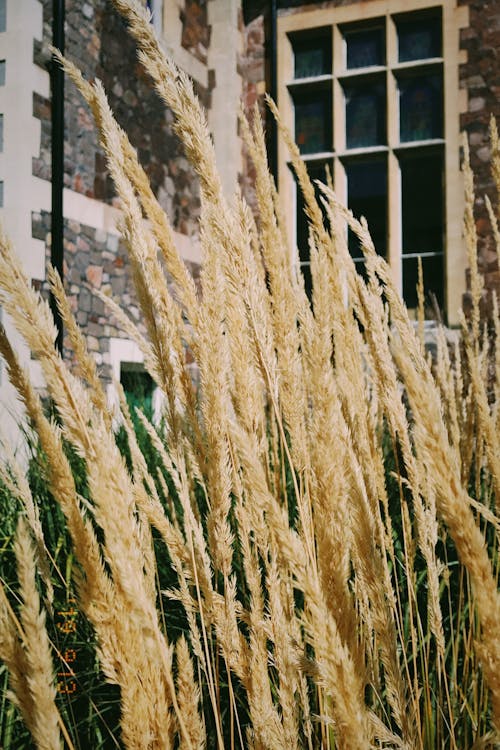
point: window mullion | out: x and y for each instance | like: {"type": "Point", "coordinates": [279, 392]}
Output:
{"type": "Point", "coordinates": [338, 94]}
{"type": "Point", "coordinates": [394, 249]}
{"type": "Point", "coordinates": [339, 138]}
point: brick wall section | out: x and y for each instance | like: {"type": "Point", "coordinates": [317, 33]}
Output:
{"type": "Point", "coordinates": [94, 259]}
{"type": "Point", "coordinates": [195, 28]}
{"type": "Point", "coordinates": [97, 41]}
{"type": "Point", "coordinates": [480, 76]}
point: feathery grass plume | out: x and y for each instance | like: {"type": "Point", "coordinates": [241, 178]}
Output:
{"type": "Point", "coordinates": [43, 719]}
{"type": "Point", "coordinates": [83, 360]}
{"type": "Point", "coordinates": [162, 317]}
{"type": "Point", "coordinates": [25, 649]}
{"type": "Point", "coordinates": [214, 379]}
{"type": "Point", "coordinates": [442, 466]}
{"type": "Point", "coordinates": [323, 501]}
{"type": "Point", "coordinates": [189, 695]}
{"type": "Point", "coordinates": [107, 479]}
{"type": "Point", "coordinates": [284, 299]}
{"type": "Point", "coordinates": [94, 586]}
{"type": "Point", "coordinates": [14, 480]}
{"type": "Point", "coordinates": [139, 182]}
{"type": "Point", "coordinates": [176, 90]}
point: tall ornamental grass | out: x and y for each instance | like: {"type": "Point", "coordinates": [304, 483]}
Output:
{"type": "Point", "coordinates": [320, 510]}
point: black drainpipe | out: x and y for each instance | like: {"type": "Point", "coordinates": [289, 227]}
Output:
{"type": "Point", "coordinates": [273, 143]}
{"type": "Point", "coordinates": [57, 222]}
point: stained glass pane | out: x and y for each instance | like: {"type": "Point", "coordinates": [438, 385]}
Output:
{"type": "Point", "coordinates": [365, 116]}
{"type": "Point", "coordinates": [422, 202]}
{"type": "Point", "coordinates": [313, 122]}
{"type": "Point", "coordinates": [419, 40]}
{"type": "Point", "coordinates": [421, 108]}
{"type": "Point", "coordinates": [365, 48]}
{"type": "Point", "coordinates": [433, 271]}
{"type": "Point", "coordinates": [2, 72]}
{"type": "Point", "coordinates": [313, 57]}
{"type": "Point", "coordinates": [367, 196]}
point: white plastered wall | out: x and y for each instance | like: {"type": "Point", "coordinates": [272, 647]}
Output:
{"type": "Point", "coordinates": [225, 43]}
{"type": "Point", "coordinates": [22, 191]}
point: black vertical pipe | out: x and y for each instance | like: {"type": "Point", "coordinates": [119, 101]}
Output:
{"type": "Point", "coordinates": [57, 222]}
{"type": "Point", "coordinates": [273, 143]}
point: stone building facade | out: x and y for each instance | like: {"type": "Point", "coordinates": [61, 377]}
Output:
{"type": "Point", "coordinates": [476, 56]}
{"type": "Point", "coordinates": [233, 50]}
{"type": "Point", "coordinates": [196, 35]}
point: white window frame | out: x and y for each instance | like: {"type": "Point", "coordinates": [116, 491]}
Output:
{"type": "Point", "coordinates": [455, 102]}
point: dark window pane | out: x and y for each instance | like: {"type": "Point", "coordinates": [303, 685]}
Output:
{"type": "Point", "coordinates": [2, 72]}
{"type": "Point", "coordinates": [1, 132]}
{"type": "Point", "coordinates": [305, 269]}
{"type": "Point", "coordinates": [316, 172]}
{"type": "Point", "coordinates": [365, 116]}
{"type": "Point", "coordinates": [367, 196]}
{"type": "Point", "coordinates": [432, 268]}
{"type": "Point", "coordinates": [3, 15]}
{"type": "Point", "coordinates": [313, 122]}
{"type": "Point", "coordinates": [422, 202]}
{"type": "Point", "coordinates": [313, 56]}
{"type": "Point", "coordinates": [419, 40]}
{"type": "Point", "coordinates": [138, 386]}
{"type": "Point", "coordinates": [421, 108]}
{"type": "Point", "coordinates": [365, 48]}
{"type": "Point", "coordinates": [1, 194]}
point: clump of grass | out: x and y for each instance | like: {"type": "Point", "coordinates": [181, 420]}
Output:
{"type": "Point", "coordinates": [322, 510]}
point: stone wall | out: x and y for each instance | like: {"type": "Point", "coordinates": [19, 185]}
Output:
{"type": "Point", "coordinates": [94, 259]}
{"type": "Point", "coordinates": [98, 43]}
{"type": "Point", "coordinates": [480, 76]}
{"type": "Point", "coordinates": [195, 28]}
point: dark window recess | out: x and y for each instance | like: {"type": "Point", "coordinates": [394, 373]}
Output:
{"type": "Point", "coordinates": [316, 172]}
{"type": "Point", "coordinates": [2, 72]}
{"type": "Point", "coordinates": [1, 132]}
{"type": "Point", "coordinates": [433, 272]}
{"type": "Point", "coordinates": [1, 194]}
{"type": "Point", "coordinates": [419, 39]}
{"type": "Point", "coordinates": [3, 15]}
{"type": "Point", "coordinates": [312, 56]}
{"type": "Point", "coordinates": [365, 48]}
{"type": "Point", "coordinates": [365, 115]}
{"type": "Point", "coordinates": [422, 202]}
{"type": "Point", "coordinates": [138, 386]}
{"type": "Point", "coordinates": [313, 121]}
{"type": "Point", "coordinates": [421, 108]}
{"type": "Point", "coordinates": [367, 196]}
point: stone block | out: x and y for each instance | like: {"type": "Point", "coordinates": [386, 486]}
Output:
{"type": "Point", "coordinates": [94, 275]}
